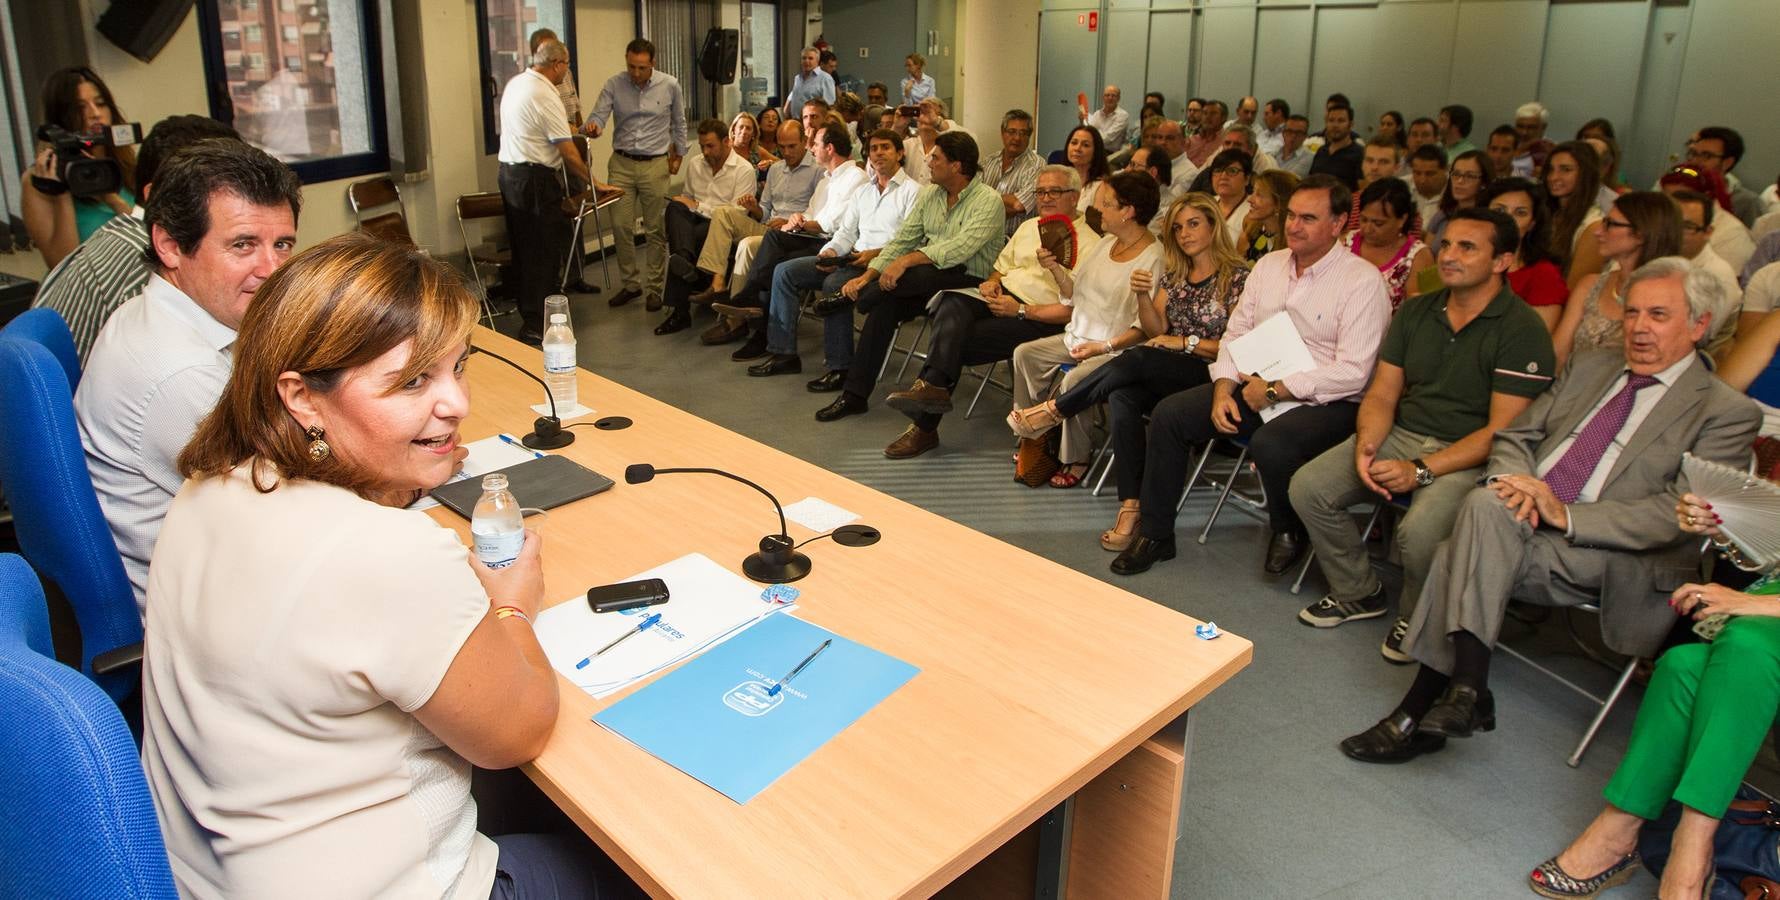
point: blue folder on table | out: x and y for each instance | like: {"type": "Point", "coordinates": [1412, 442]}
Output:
{"type": "Point", "coordinates": [717, 719]}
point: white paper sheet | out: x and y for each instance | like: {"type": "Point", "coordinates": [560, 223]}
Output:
{"type": "Point", "coordinates": [1272, 350]}
{"type": "Point", "coordinates": [819, 515]}
{"type": "Point", "coordinates": [486, 455]}
{"type": "Point", "coordinates": [707, 604]}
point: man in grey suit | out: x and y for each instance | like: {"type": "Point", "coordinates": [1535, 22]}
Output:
{"type": "Point", "coordinates": [1578, 504]}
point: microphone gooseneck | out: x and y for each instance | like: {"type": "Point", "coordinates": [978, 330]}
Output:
{"type": "Point", "coordinates": [777, 561]}
{"type": "Point", "coordinates": [547, 431]}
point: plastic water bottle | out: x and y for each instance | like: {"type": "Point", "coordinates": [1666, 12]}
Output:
{"type": "Point", "coordinates": [496, 526]}
{"type": "Point", "coordinates": [559, 353]}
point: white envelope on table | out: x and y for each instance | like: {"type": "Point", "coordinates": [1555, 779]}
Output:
{"type": "Point", "coordinates": [1273, 350]}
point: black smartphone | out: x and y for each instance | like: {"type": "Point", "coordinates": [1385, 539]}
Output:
{"type": "Point", "coordinates": [627, 595]}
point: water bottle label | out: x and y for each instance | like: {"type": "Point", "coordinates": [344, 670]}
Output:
{"type": "Point", "coordinates": [558, 360]}
{"type": "Point", "coordinates": [499, 549]}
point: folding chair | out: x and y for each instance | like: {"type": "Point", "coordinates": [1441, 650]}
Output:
{"type": "Point", "coordinates": [579, 207]}
{"type": "Point", "coordinates": [1401, 502]}
{"type": "Point", "coordinates": [478, 208]}
{"type": "Point", "coordinates": [372, 194]}
{"type": "Point", "coordinates": [1605, 703]}
{"type": "Point", "coordinates": [1255, 506]}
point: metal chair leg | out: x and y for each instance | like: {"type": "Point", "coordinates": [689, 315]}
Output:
{"type": "Point", "coordinates": [981, 386]}
{"type": "Point", "coordinates": [599, 234]}
{"type": "Point", "coordinates": [1310, 558]}
{"type": "Point", "coordinates": [562, 283]}
{"type": "Point", "coordinates": [912, 352]}
{"type": "Point", "coordinates": [1204, 457]}
{"type": "Point", "coordinates": [1112, 459]}
{"type": "Point", "coordinates": [1625, 677]}
{"type": "Point", "coordinates": [1224, 495]}
{"type": "Point", "coordinates": [885, 365]}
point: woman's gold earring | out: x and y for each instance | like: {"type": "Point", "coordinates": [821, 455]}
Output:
{"type": "Point", "coordinates": [318, 448]}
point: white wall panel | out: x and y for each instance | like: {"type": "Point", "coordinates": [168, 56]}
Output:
{"type": "Point", "coordinates": [1730, 78]}
{"type": "Point", "coordinates": [1282, 56]}
{"type": "Point", "coordinates": [1346, 53]}
{"type": "Point", "coordinates": [1591, 63]}
{"type": "Point", "coordinates": [1226, 53]}
{"type": "Point", "coordinates": [1495, 61]}
{"type": "Point", "coordinates": [1410, 76]}
{"type": "Point", "coordinates": [1125, 57]}
{"type": "Point", "coordinates": [1171, 42]}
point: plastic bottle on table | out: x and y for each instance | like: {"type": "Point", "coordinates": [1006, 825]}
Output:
{"type": "Point", "coordinates": [560, 361]}
{"type": "Point", "coordinates": [496, 526]}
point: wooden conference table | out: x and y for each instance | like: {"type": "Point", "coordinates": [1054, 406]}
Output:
{"type": "Point", "coordinates": [1037, 683]}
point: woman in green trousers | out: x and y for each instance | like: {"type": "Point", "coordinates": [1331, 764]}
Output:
{"type": "Point", "coordinates": [1707, 710]}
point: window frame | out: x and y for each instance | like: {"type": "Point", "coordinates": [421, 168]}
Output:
{"type": "Point", "coordinates": [314, 171]}
{"type": "Point", "coordinates": [491, 112]}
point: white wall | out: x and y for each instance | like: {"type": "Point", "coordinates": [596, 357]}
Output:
{"type": "Point", "coordinates": [997, 62]}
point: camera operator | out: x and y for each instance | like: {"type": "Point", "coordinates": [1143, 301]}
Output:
{"type": "Point", "coordinates": [76, 100]}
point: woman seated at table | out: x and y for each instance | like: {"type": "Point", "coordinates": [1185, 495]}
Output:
{"type": "Point", "coordinates": [1264, 228]}
{"type": "Point", "coordinates": [321, 669]}
{"type": "Point", "coordinates": [1383, 239]}
{"type": "Point", "coordinates": [1533, 277]}
{"type": "Point", "coordinates": [1180, 326]}
{"type": "Point", "coordinates": [1102, 294]}
{"type": "Point", "coordinates": [1706, 713]}
{"type": "Point", "coordinates": [1641, 226]}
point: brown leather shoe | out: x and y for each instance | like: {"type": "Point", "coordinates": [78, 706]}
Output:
{"type": "Point", "coordinates": [921, 397]}
{"type": "Point", "coordinates": [723, 333]}
{"type": "Point", "coordinates": [735, 311]}
{"type": "Point", "coordinates": [913, 443]}
{"type": "Point", "coordinates": [709, 296]}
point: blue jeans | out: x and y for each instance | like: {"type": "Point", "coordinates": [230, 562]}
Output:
{"type": "Point", "coordinates": [556, 867]}
{"type": "Point", "coordinates": [790, 280]}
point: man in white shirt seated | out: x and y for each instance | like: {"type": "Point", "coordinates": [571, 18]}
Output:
{"type": "Point", "coordinates": [221, 218]}
{"type": "Point", "coordinates": [717, 177]}
{"type": "Point", "coordinates": [1113, 123]}
{"type": "Point", "coordinates": [1293, 156]}
{"type": "Point", "coordinates": [1270, 135]}
{"type": "Point", "coordinates": [1427, 180]}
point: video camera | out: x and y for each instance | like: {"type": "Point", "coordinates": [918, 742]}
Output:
{"type": "Point", "coordinates": [84, 175]}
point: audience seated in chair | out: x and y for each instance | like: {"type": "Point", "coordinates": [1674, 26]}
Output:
{"type": "Point", "coordinates": [1208, 137]}
{"type": "Point", "coordinates": [1427, 180]}
{"type": "Point", "coordinates": [1340, 155]}
{"type": "Point", "coordinates": [1533, 277]}
{"type": "Point", "coordinates": [1013, 170]}
{"type": "Point", "coordinates": [1293, 156]}
{"type": "Point", "coordinates": [717, 177]}
{"type": "Point", "coordinates": [1085, 153]}
{"type": "Point", "coordinates": [1699, 213]}
{"type": "Point", "coordinates": [1499, 148]}
{"type": "Point", "coordinates": [1642, 226]}
{"type": "Point", "coordinates": [1467, 180]}
{"type": "Point", "coordinates": [950, 239]}
{"type": "Point", "coordinates": [1571, 176]}
{"type": "Point", "coordinates": [1531, 147]}
{"type": "Point", "coordinates": [1578, 506]}
{"type": "Point", "coordinates": [1017, 303]}
{"type": "Point", "coordinates": [221, 218]}
{"type": "Point", "coordinates": [1456, 366]}
{"type": "Point", "coordinates": [1264, 227]}
{"type": "Point", "coordinates": [1383, 236]}
{"type": "Point", "coordinates": [1340, 307]}
{"type": "Point", "coordinates": [1730, 237]}
{"type": "Point", "coordinates": [1179, 327]}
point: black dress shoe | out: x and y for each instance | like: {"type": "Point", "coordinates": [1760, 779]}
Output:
{"type": "Point", "coordinates": [1461, 712]}
{"type": "Point", "coordinates": [843, 406]}
{"type": "Point", "coordinates": [1142, 554]}
{"type": "Point", "coordinates": [623, 297]}
{"type": "Point", "coordinates": [676, 321]}
{"type": "Point", "coordinates": [755, 348]}
{"type": "Point", "coordinates": [1285, 549]}
{"type": "Point", "coordinates": [777, 364]}
{"type": "Point", "coordinates": [829, 382]}
{"type": "Point", "coordinates": [1393, 740]}
{"type": "Point", "coordinates": [831, 304]}
{"type": "Point", "coordinates": [583, 287]}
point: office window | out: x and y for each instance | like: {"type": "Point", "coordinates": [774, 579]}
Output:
{"type": "Point", "coordinates": [318, 104]}
{"type": "Point", "coordinates": [759, 53]}
{"type": "Point", "coordinates": [503, 34]}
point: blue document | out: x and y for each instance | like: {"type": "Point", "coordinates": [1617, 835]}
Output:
{"type": "Point", "coordinates": [726, 718]}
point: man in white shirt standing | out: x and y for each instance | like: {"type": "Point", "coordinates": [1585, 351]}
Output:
{"type": "Point", "coordinates": [536, 146]}
{"type": "Point", "coordinates": [1113, 123]}
{"type": "Point", "coordinates": [222, 217]}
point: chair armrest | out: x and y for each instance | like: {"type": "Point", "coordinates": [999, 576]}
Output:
{"type": "Point", "coordinates": [112, 660]}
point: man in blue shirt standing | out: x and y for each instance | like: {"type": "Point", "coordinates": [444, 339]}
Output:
{"type": "Point", "coordinates": [810, 84]}
{"type": "Point", "coordinates": [648, 116]}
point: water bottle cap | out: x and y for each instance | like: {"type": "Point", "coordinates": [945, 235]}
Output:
{"type": "Point", "coordinates": [494, 482]}
{"type": "Point", "coordinates": [558, 318]}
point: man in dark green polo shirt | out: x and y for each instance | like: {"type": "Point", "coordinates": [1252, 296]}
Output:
{"type": "Point", "coordinates": [1455, 366]}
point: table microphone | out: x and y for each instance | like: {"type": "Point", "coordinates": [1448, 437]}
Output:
{"type": "Point", "coordinates": [777, 561]}
{"type": "Point", "coordinates": [547, 431]}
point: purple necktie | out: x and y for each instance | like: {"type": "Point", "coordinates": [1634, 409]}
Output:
{"type": "Point", "coordinates": [1578, 463]}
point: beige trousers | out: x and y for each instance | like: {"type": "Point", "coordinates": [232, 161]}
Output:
{"type": "Point", "coordinates": [1036, 364]}
{"type": "Point", "coordinates": [729, 224]}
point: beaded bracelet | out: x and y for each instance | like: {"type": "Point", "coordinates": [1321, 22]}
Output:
{"type": "Point", "coordinates": [511, 612]}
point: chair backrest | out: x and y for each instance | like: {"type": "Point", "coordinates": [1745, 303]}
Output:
{"type": "Point", "coordinates": [79, 819]}
{"type": "Point", "coordinates": [55, 510]}
{"type": "Point", "coordinates": [46, 327]}
{"type": "Point", "coordinates": [484, 205]}
{"type": "Point", "coordinates": [373, 193]}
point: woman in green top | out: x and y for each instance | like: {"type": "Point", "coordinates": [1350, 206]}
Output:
{"type": "Point", "coordinates": [1707, 710]}
{"type": "Point", "coordinates": [79, 102]}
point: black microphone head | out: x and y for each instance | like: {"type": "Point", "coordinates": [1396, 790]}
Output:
{"type": "Point", "coordinates": [638, 473]}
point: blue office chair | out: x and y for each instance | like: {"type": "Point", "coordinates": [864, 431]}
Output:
{"type": "Point", "coordinates": [55, 512]}
{"type": "Point", "coordinates": [45, 326]}
{"type": "Point", "coordinates": [79, 821]}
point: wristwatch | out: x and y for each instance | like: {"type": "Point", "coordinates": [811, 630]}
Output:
{"type": "Point", "coordinates": [1424, 476]}
{"type": "Point", "coordinates": [1272, 392]}
{"type": "Point", "coordinates": [1020, 313]}
{"type": "Point", "coordinates": [1192, 343]}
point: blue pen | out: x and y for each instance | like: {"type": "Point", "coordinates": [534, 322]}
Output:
{"type": "Point", "coordinates": [644, 625]}
{"type": "Point", "coordinates": [515, 442]}
{"type": "Point", "coordinates": [780, 684]}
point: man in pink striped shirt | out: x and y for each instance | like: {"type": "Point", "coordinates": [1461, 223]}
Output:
{"type": "Point", "coordinates": [1338, 304]}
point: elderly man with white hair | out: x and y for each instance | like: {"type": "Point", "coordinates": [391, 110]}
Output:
{"type": "Point", "coordinates": [1529, 126]}
{"type": "Point", "coordinates": [1113, 123]}
{"type": "Point", "coordinates": [1577, 505]}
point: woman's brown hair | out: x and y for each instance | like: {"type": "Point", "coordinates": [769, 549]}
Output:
{"type": "Point", "coordinates": [1656, 219]}
{"type": "Point", "coordinates": [327, 310]}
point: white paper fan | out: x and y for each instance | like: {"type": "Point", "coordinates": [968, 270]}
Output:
{"type": "Point", "coordinates": [1749, 505]}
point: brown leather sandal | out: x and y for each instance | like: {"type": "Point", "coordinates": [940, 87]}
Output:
{"type": "Point", "coordinates": [1124, 529]}
{"type": "Point", "coordinates": [1033, 421]}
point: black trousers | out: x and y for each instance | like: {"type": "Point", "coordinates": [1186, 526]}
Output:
{"type": "Point", "coordinates": [1131, 385]}
{"type": "Point", "coordinates": [538, 231]}
{"type": "Point", "coordinates": [1278, 448]}
{"type": "Point", "coordinates": [885, 310]}
{"type": "Point", "coordinates": [686, 232]}
{"type": "Point", "coordinates": [775, 247]}
{"type": "Point", "coordinates": [961, 331]}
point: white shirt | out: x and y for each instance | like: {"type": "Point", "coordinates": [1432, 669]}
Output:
{"type": "Point", "coordinates": [872, 217]}
{"type": "Point", "coordinates": [533, 121]}
{"type": "Point", "coordinates": [1102, 304]}
{"type": "Point", "coordinates": [1643, 402]}
{"type": "Point", "coordinates": [1766, 225]}
{"type": "Point", "coordinates": [1731, 238]}
{"type": "Point", "coordinates": [1022, 276]}
{"type": "Point", "coordinates": [914, 159]}
{"type": "Point", "coordinates": [1426, 208]}
{"type": "Point", "coordinates": [1233, 223]}
{"type": "Point", "coordinates": [1112, 126]}
{"type": "Point", "coordinates": [156, 370]}
{"type": "Point", "coordinates": [1724, 315]}
{"type": "Point", "coordinates": [833, 193]}
{"type": "Point", "coordinates": [1763, 290]}
{"type": "Point", "coordinates": [1270, 140]}
{"type": "Point", "coordinates": [732, 180]}
{"type": "Point", "coordinates": [291, 635]}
